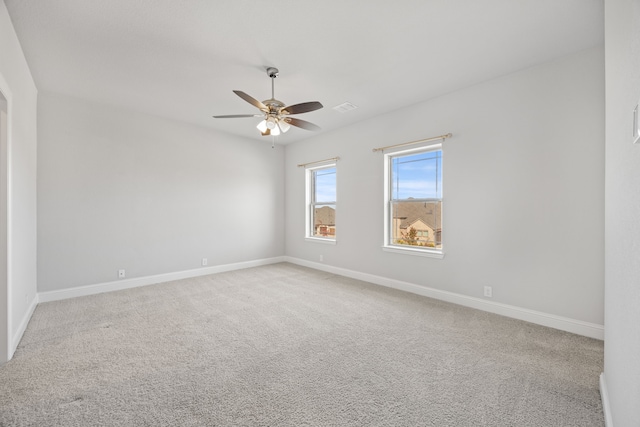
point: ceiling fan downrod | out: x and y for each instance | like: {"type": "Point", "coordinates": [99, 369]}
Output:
{"type": "Point", "coordinates": [273, 73]}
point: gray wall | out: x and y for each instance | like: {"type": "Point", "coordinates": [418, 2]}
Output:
{"type": "Point", "coordinates": [523, 190]}
{"type": "Point", "coordinates": [19, 296]}
{"type": "Point", "coordinates": [124, 190]}
{"type": "Point", "coordinates": [622, 263]}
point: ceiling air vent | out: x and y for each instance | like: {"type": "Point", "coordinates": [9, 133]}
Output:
{"type": "Point", "coordinates": [344, 107]}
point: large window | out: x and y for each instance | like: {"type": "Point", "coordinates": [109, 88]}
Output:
{"type": "Point", "coordinates": [321, 202]}
{"type": "Point", "coordinates": [413, 215]}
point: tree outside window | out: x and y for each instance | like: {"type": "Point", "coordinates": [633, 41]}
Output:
{"type": "Point", "coordinates": [414, 199]}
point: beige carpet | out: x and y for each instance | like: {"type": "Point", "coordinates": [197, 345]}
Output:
{"type": "Point", "coordinates": [283, 345]}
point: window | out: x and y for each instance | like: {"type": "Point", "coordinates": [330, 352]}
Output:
{"type": "Point", "coordinates": [321, 203]}
{"type": "Point", "coordinates": [413, 197]}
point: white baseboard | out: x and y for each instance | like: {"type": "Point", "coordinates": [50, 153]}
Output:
{"type": "Point", "coordinates": [149, 280]}
{"type": "Point", "coordinates": [17, 336]}
{"type": "Point", "coordinates": [604, 395]}
{"type": "Point", "coordinates": [579, 327]}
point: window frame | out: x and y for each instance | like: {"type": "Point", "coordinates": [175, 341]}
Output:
{"type": "Point", "coordinates": [311, 203]}
{"type": "Point", "coordinates": [388, 244]}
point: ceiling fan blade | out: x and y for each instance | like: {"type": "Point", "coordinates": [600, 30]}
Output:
{"type": "Point", "coordinates": [251, 100]}
{"type": "Point", "coordinates": [302, 124]}
{"type": "Point", "coordinates": [304, 107]}
{"type": "Point", "coordinates": [266, 132]}
{"type": "Point", "coordinates": [236, 116]}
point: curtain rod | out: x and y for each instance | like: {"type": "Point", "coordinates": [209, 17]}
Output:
{"type": "Point", "coordinates": [442, 137]}
{"type": "Point", "coordinates": [318, 161]}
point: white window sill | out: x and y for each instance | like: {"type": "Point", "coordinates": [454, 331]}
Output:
{"type": "Point", "coordinates": [417, 252]}
{"type": "Point", "coordinates": [320, 240]}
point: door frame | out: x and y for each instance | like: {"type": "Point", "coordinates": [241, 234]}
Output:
{"type": "Point", "coordinates": [6, 348]}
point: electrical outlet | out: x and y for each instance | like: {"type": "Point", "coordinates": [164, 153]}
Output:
{"type": "Point", "coordinates": [205, 261]}
{"type": "Point", "coordinates": [120, 274]}
{"type": "Point", "coordinates": [321, 258]}
{"type": "Point", "coordinates": [488, 292]}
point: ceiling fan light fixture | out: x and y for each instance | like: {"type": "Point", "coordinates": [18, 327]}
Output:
{"type": "Point", "coordinates": [262, 126]}
{"type": "Point", "coordinates": [284, 126]}
{"type": "Point", "coordinates": [271, 123]}
{"type": "Point", "coordinates": [275, 131]}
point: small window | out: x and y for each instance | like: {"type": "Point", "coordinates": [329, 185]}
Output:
{"type": "Point", "coordinates": [413, 216]}
{"type": "Point", "coordinates": [321, 202]}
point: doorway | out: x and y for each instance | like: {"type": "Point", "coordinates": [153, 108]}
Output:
{"type": "Point", "coordinates": [5, 319]}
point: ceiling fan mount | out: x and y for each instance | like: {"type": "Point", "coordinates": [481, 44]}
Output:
{"type": "Point", "coordinates": [275, 113]}
{"type": "Point", "coordinates": [272, 72]}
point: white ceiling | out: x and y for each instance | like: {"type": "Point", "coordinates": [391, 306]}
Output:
{"type": "Point", "coordinates": [182, 59]}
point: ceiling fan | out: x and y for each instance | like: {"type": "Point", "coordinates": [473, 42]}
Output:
{"type": "Point", "coordinates": [276, 115]}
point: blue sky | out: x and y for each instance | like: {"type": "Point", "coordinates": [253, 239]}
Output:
{"type": "Point", "coordinates": [418, 176]}
{"type": "Point", "coordinates": [325, 185]}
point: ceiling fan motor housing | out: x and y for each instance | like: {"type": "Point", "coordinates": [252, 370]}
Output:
{"type": "Point", "coordinates": [272, 72]}
{"type": "Point", "coordinates": [274, 105]}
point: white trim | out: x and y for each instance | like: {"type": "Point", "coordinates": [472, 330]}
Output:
{"type": "Point", "coordinates": [320, 163]}
{"type": "Point", "coordinates": [23, 324]}
{"type": "Point", "coordinates": [606, 408]}
{"type": "Point", "coordinates": [309, 199]}
{"type": "Point", "coordinates": [320, 240]}
{"type": "Point", "coordinates": [579, 327]}
{"type": "Point", "coordinates": [424, 146]}
{"type": "Point", "coordinates": [149, 280]}
{"type": "Point", "coordinates": [417, 252]}
{"type": "Point", "coordinates": [6, 349]}
{"type": "Point", "coordinates": [387, 193]}
{"type": "Point", "coordinates": [323, 164]}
